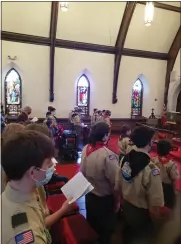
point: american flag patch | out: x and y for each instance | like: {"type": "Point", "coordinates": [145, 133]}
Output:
{"type": "Point", "coordinates": [155, 172]}
{"type": "Point", "coordinates": [25, 237]}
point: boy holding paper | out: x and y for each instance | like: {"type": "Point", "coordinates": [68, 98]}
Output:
{"type": "Point", "coordinates": [27, 162]}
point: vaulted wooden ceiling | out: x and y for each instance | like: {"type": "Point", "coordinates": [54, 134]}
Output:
{"type": "Point", "coordinates": [111, 27]}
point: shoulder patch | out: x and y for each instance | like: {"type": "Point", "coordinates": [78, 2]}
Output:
{"type": "Point", "coordinates": [25, 237]}
{"type": "Point", "coordinates": [19, 219]}
{"type": "Point", "coordinates": [155, 171]}
{"type": "Point", "coordinates": [112, 156]}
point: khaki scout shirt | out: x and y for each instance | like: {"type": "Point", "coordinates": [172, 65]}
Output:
{"type": "Point", "coordinates": [100, 169]}
{"type": "Point", "coordinates": [125, 146]}
{"type": "Point", "coordinates": [168, 170]}
{"type": "Point", "coordinates": [145, 190]}
{"type": "Point", "coordinates": [14, 203]}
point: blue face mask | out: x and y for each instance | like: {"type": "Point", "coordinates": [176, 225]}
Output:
{"type": "Point", "coordinates": [48, 176]}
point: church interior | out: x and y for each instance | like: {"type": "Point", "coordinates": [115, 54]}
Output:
{"type": "Point", "coordinates": [71, 65]}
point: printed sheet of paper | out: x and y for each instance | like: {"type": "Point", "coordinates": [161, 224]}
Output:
{"type": "Point", "coordinates": [77, 187]}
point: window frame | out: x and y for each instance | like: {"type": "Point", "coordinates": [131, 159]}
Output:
{"type": "Point", "coordinates": [5, 92]}
{"type": "Point", "coordinates": [88, 94]}
{"type": "Point", "coordinates": [141, 103]}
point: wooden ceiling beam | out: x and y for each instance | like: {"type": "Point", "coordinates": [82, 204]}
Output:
{"type": "Point", "coordinates": [37, 40]}
{"type": "Point", "coordinates": [127, 16]}
{"type": "Point", "coordinates": [23, 38]}
{"type": "Point", "coordinates": [172, 55]}
{"type": "Point", "coordinates": [163, 6]}
{"type": "Point", "coordinates": [52, 37]}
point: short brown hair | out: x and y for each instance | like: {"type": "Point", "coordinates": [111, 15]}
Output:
{"type": "Point", "coordinates": [39, 127]}
{"type": "Point", "coordinates": [23, 150]}
{"type": "Point", "coordinates": [142, 136]}
{"type": "Point", "coordinates": [11, 129]}
{"type": "Point", "coordinates": [98, 131]}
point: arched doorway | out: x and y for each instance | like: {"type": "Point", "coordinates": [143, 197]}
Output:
{"type": "Point", "coordinates": [178, 109]}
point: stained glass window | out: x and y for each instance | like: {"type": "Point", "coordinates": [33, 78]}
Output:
{"type": "Point", "coordinates": [83, 92]}
{"type": "Point", "coordinates": [13, 92]}
{"type": "Point", "coordinates": [137, 98]}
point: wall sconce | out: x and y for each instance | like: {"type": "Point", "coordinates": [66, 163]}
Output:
{"type": "Point", "coordinates": [12, 58]}
{"type": "Point", "coordinates": [149, 13]}
{"type": "Point", "coordinates": [64, 6]}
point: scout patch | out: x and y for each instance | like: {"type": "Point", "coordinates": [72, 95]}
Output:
{"type": "Point", "coordinates": [25, 237]}
{"type": "Point", "coordinates": [155, 171]}
{"type": "Point", "coordinates": [111, 157]}
{"type": "Point", "coordinates": [126, 172]}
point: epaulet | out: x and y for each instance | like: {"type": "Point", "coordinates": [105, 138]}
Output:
{"type": "Point", "coordinates": [170, 163]}
{"type": "Point", "coordinates": [154, 169]}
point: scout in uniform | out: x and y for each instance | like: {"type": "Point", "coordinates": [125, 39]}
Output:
{"type": "Point", "coordinates": [27, 162]}
{"type": "Point", "coordinates": [99, 165]}
{"type": "Point", "coordinates": [99, 115]}
{"type": "Point", "coordinates": [106, 117]}
{"type": "Point", "coordinates": [124, 143]}
{"type": "Point", "coordinates": [55, 177]}
{"type": "Point", "coordinates": [169, 171]}
{"type": "Point", "coordinates": [77, 125]}
{"type": "Point", "coordinates": [94, 116]}
{"type": "Point", "coordinates": [140, 186]}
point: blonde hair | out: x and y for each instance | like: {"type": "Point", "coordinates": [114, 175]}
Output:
{"type": "Point", "coordinates": [10, 129]}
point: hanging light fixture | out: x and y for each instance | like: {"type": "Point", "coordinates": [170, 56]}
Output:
{"type": "Point", "coordinates": [149, 13]}
{"type": "Point", "coordinates": [64, 6]}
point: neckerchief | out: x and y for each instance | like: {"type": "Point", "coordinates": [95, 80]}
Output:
{"type": "Point", "coordinates": [164, 159]}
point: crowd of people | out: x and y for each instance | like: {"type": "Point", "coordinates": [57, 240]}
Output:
{"type": "Point", "coordinates": [132, 183]}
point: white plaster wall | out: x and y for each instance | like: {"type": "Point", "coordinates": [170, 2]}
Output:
{"type": "Point", "coordinates": [175, 85]}
{"type": "Point", "coordinates": [33, 65]}
{"type": "Point", "coordinates": [177, 66]}
{"type": "Point", "coordinates": [70, 63]}
{"type": "Point", "coordinates": [152, 74]}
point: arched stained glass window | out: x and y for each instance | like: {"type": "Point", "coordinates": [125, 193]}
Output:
{"type": "Point", "coordinates": [137, 98]}
{"type": "Point", "coordinates": [13, 91]}
{"type": "Point", "coordinates": [83, 94]}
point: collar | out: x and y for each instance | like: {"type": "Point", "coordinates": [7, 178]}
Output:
{"type": "Point", "coordinates": [90, 149]}
{"type": "Point", "coordinates": [16, 196]}
{"type": "Point", "coordinates": [142, 150]}
{"type": "Point", "coordinates": [164, 159]}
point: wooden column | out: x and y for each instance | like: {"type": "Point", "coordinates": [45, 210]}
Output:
{"type": "Point", "coordinates": [128, 13]}
{"type": "Point", "coordinates": [53, 30]}
{"type": "Point", "coordinates": [172, 55]}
